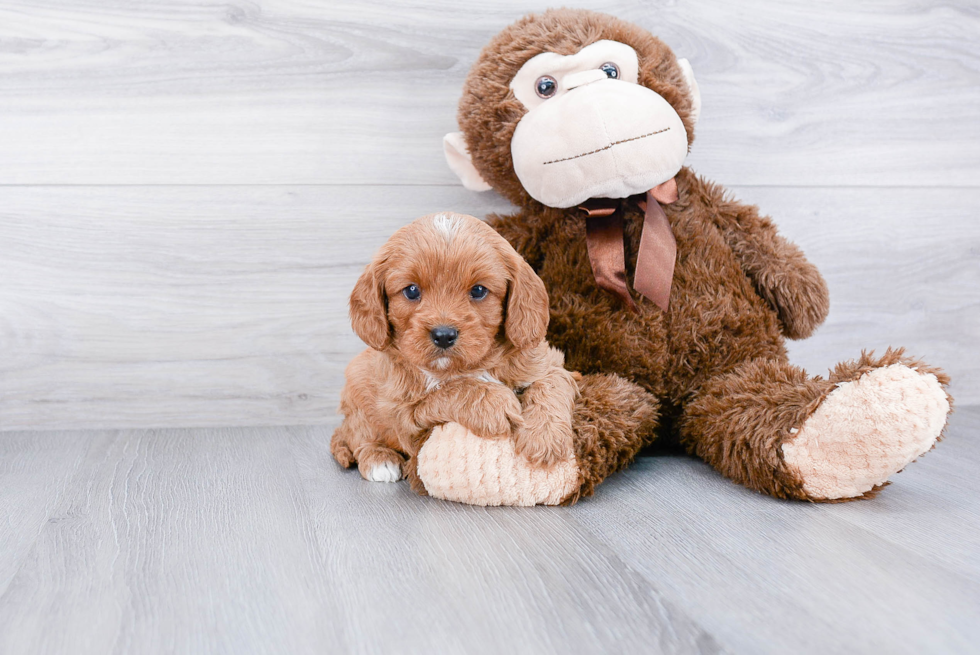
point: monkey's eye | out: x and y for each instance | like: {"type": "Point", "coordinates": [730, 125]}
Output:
{"type": "Point", "coordinates": [610, 69]}
{"type": "Point", "coordinates": [546, 86]}
{"type": "Point", "coordinates": [412, 292]}
{"type": "Point", "coordinates": [478, 292]}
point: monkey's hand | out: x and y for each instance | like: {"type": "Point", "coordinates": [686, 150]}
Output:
{"type": "Point", "coordinates": [488, 409]}
{"type": "Point", "coordinates": [784, 278]}
{"type": "Point", "coordinates": [797, 292]}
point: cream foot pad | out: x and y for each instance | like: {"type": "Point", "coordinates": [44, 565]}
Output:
{"type": "Point", "coordinates": [866, 430]}
{"type": "Point", "coordinates": [455, 464]}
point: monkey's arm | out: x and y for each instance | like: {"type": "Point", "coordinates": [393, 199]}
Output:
{"type": "Point", "coordinates": [781, 273]}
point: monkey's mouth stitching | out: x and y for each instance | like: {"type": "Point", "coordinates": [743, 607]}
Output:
{"type": "Point", "coordinates": [614, 143]}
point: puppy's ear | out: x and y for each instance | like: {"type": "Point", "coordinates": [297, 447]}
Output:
{"type": "Point", "coordinates": [369, 308]}
{"type": "Point", "coordinates": [527, 305]}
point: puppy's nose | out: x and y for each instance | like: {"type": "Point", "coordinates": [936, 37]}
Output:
{"type": "Point", "coordinates": [444, 336]}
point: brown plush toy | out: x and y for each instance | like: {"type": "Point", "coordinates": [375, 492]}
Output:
{"type": "Point", "coordinates": [584, 121]}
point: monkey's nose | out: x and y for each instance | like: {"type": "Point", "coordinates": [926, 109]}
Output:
{"type": "Point", "coordinates": [444, 336]}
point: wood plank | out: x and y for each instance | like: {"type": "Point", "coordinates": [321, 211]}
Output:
{"type": "Point", "coordinates": [931, 508]}
{"type": "Point", "coordinates": [175, 542]}
{"type": "Point", "coordinates": [209, 306]}
{"type": "Point", "coordinates": [473, 579]}
{"type": "Point", "coordinates": [282, 91]}
{"type": "Point", "coordinates": [35, 471]}
{"type": "Point", "coordinates": [769, 576]}
{"type": "Point", "coordinates": [253, 540]}
{"type": "Point", "coordinates": [156, 306]}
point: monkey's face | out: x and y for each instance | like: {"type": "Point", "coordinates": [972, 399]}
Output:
{"type": "Point", "coordinates": [571, 105]}
{"type": "Point", "coordinates": [590, 130]}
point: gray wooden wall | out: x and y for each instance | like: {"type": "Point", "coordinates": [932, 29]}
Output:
{"type": "Point", "coordinates": [188, 189]}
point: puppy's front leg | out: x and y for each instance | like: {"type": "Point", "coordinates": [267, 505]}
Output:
{"type": "Point", "coordinates": [378, 463]}
{"type": "Point", "coordinates": [546, 436]}
{"type": "Point", "coordinates": [354, 442]}
{"type": "Point", "coordinates": [487, 409]}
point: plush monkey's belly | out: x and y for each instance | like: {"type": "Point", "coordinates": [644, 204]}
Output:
{"type": "Point", "coordinates": [715, 319]}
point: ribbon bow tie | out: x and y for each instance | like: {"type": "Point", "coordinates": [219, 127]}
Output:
{"type": "Point", "coordinates": [656, 255]}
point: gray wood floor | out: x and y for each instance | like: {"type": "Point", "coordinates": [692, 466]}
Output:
{"type": "Point", "coordinates": [248, 540]}
{"type": "Point", "coordinates": [188, 191]}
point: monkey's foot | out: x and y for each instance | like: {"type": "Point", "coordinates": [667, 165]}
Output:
{"type": "Point", "coordinates": [866, 430]}
{"type": "Point", "coordinates": [455, 464]}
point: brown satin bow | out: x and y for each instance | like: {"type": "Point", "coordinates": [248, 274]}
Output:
{"type": "Point", "coordinates": [655, 257]}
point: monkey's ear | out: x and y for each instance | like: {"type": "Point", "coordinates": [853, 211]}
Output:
{"type": "Point", "coordinates": [458, 158]}
{"type": "Point", "coordinates": [527, 306]}
{"type": "Point", "coordinates": [369, 309]}
{"type": "Point", "coordinates": [692, 85]}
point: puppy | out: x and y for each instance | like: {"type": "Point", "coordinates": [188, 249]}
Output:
{"type": "Point", "coordinates": [456, 321]}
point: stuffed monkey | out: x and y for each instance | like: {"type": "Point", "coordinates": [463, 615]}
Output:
{"type": "Point", "coordinates": [583, 121]}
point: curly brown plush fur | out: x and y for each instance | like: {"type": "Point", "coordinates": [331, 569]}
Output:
{"type": "Point", "coordinates": [715, 362]}
{"type": "Point", "coordinates": [613, 420]}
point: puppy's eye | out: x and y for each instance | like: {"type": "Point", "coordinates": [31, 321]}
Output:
{"type": "Point", "coordinates": [610, 69]}
{"type": "Point", "coordinates": [412, 292]}
{"type": "Point", "coordinates": [546, 86]}
{"type": "Point", "coordinates": [478, 292]}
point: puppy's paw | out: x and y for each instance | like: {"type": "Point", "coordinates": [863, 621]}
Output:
{"type": "Point", "coordinates": [342, 453]}
{"type": "Point", "coordinates": [380, 464]}
{"type": "Point", "coordinates": [385, 472]}
{"type": "Point", "coordinates": [502, 414]}
{"type": "Point", "coordinates": [544, 444]}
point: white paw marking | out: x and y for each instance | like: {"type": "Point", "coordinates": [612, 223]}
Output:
{"type": "Point", "coordinates": [387, 472]}
{"type": "Point", "coordinates": [866, 430]}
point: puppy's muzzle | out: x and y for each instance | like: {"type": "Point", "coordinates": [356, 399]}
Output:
{"type": "Point", "coordinates": [444, 336]}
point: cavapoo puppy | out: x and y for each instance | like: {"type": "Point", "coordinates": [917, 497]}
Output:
{"type": "Point", "coordinates": [456, 321]}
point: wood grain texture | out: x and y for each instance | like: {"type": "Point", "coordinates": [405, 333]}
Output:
{"type": "Point", "coordinates": [35, 470]}
{"type": "Point", "coordinates": [284, 91]}
{"type": "Point", "coordinates": [254, 541]}
{"type": "Point", "coordinates": [210, 306]}
{"type": "Point", "coordinates": [897, 574]}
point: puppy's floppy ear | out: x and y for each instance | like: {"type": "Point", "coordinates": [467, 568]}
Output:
{"type": "Point", "coordinates": [369, 308]}
{"type": "Point", "coordinates": [526, 323]}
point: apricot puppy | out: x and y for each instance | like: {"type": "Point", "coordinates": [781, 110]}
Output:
{"type": "Point", "coordinates": [456, 322]}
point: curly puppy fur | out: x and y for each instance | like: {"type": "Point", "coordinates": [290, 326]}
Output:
{"type": "Point", "coordinates": [405, 384]}
{"type": "Point", "coordinates": [716, 361]}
